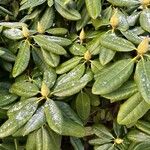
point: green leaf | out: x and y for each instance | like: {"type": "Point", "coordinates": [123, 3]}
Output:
{"type": "Point", "coordinates": [23, 88]}
{"type": "Point", "coordinates": [35, 122]}
{"type": "Point", "coordinates": [31, 3]}
{"type": "Point", "coordinates": [124, 3]}
{"type": "Point", "coordinates": [57, 31]}
{"type": "Point", "coordinates": [144, 19]}
{"type": "Point", "coordinates": [22, 59]}
{"type": "Point", "coordinates": [31, 141]}
{"type": "Point", "coordinates": [68, 112]}
{"type": "Point", "coordinates": [59, 123]}
{"type": "Point", "coordinates": [102, 132]}
{"type": "Point", "coordinates": [46, 20]}
{"type": "Point", "coordinates": [13, 34]}
{"type": "Point", "coordinates": [59, 40]}
{"type": "Point", "coordinates": [77, 49]}
{"type": "Point", "coordinates": [83, 105]}
{"type": "Point", "coordinates": [138, 136]}
{"type": "Point", "coordinates": [7, 55]}
{"type": "Point", "coordinates": [125, 91]}
{"type": "Point", "coordinates": [68, 65]}
{"type": "Point", "coordinates": [50, 2]}
{"type": "Point", "coordinates": [50, 58]}
{"type": "Point", "coordinates": [49, 77]}
{"type": "Point", "coordinates": [18, 120]}
{"type": "Point", "coordinates": [49, 45]}
{"type": "Point", "coordinates": [68, 13]}
{"type": "Point", "coordinates": [74, 86]}
{"type": "Point", "coordinates": [131, 110]}
{"type": "Point", "coordinates": [139, 146]}
{"type": "Point", "coordinates": [74, 74]}
{"type": "Point", "coordinates": [142, 79]}
{"type": "Point", "coordinates": [93, 8]}
{"type": "Point", "coordinates": [131, 36]}
{"type": "Point", "coordinates": [19, 105]}
{"type": "Point", "coordinates": [106, 55]}
{"type": "Point", "coordinates": [100, 141]}
{"type": "Point", "coordinates": [123, 23]}
{"type": "Point", "coordinates": [133, 18]}
{"type": "Point", "coordinates": [104, 18]}
{"type": "Point", "coordinates": [96, 66]}
{"type": "Point", "coordinates": [6, 98]}
{"type": "Point", "coordinates": [116, 43]}
{"type": "Point", "coordinates": [112, 78]}
{"type": "Point", "coordinates": [144, 126]}
{"type": "Point", "coordinates": [84, 19]}
{"type": "Point", "coordinates": [45, 141]}
{"type": "Point", "coordinates": [104, 147]}
{"type": "Point", "coordinates": [76, 143]}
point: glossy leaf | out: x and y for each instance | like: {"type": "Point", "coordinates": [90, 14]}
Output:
{"type": "Point", "coordinates": [113, 42]}
{"type": "Point", "coordinates": [31, 3]}
{"type": "Point", "coordinates": [68, 65]}
{"type": "Point", "coordinates": [106, 55]}
{"type": "Point", "coordinates": [23, 88]}
{"type": "Point", "coordinates": [107, 83]}
{"type": "Point", "coordinates": [144, 19]}
{"type": "Point", "coordinates": [68, 13]}
{"type": "Point", "coordinates": [132, 110]}
{"type": "Point", "coordinates": [83, 105]}
{"type": "Point", "coordinates": [22, 59]}
{"type": "Point", "coordinates": [49, 45]}
{"type": "Point", "coordinates": [142, 79]}
{"type": "Point", "coordinates": [19, 119]}
{"type": "Point", "coordinates": [93, 8]}
{"type": "Point", "coordinates": [125, 91]}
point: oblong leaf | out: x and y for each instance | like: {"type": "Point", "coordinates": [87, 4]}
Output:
{"type": "Point", "coordinates": [49, 45]}
{"type": "Point", "coordinates": [50, 58]}
{"type": "Point", "coordinates": [106, 55]}
{"type": "Point", "coordinates": [13, 34]}
{"type": "Point", "coordinates": [144, 19]}
{"type": "Point", "coordinates": [73, 87]}
{"type": "Point", "coordinates": [133, 109]}
{"type": "Point", "coordinates": [93, 8]}
{"type": "Point", "coordinates": [19, 119]}
{"type": "Point", "coordinates": [22, 59]}
{"type": "Point", "coordinates": [144, 126]}
{"type": "Point", "coordinates": [68, 65]}
{"type": "Point", "coordinates": [124, 3]}
{"type": "Point", "coordinates": [83, 105]}
{"type": "Point", "coordinates": [138, 136]}
{"type": "Point", "coordinates": [142, 79]}
{"type": "Point", "coordinates": [24, 88]}
{"type": "Point", "coordinates": [35, 122]}
{"type": "Point", "coordinates": [113, 42]}
{"type": "Point", "coordinates": [113, 77]}
{"type": "Point", "coordinates": [31, 3]}
{"type": "Point", "coordinates": [125, 91]}
{"type": "Point", "coordinates": [68, 13]}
